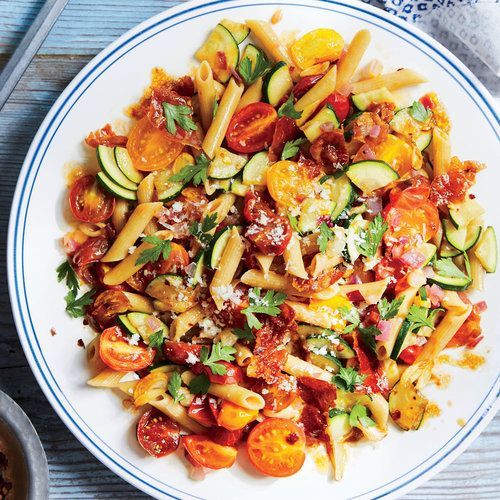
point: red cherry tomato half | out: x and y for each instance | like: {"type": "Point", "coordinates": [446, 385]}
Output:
{"type": "Point", "coordinates": [89, 202]}
{"type": "Point", "coordinates": [91, 251]}
{"type": "Point", "coordinates": [252, 128]}
{"type": "Point", "coordinates": [119, 355]}
{"type": "Point", "coordinates": [233, 374]}
{"type": "Point", "coordinates": [410, 354]}
{"type": "Point", "coordinates": [157, 434]}
{"type": "Point", "coordinates": [305, 84]}
{"type": "Point", "coordinates": [180, 352]}
{"type": "Point", "coordinates": [204, 410]}
{"type": "Point", "coordinates": [277, 447]}
{"type": "Point", "coordinates": [339, 103]}
{"type": "Point", "coordinates": [226, 437]}
{"type": "Point", "coordinates": [275, 396]}
{"type": "Point", "coordinates": [209, 454]}
{"type": "Point", "coordinates": [177, 260]}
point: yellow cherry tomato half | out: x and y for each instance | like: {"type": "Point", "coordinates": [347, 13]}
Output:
{"type": "Point", "coordinates": [233, 417]}
{"type": "Point", "coordinates": [316, 47]}
{"type": "Point", "coordinates": [398, 154]}
{"type": "Point", "coordinates": [330, 310]}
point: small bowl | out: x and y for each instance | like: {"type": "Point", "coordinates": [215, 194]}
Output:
{"type": "Point", "coordinates": [20, 443]}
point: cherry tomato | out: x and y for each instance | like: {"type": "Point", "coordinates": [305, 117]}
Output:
{"type": "Point", "coordinates": [233, 374]}
{"type": "Point", "coordinates": [305, 84]}
{"type": "Point", "coordinates": [317, 46]}
{"type": "Point", "coordinates": [226, 437]}
{"type": "Point", "coordinates": [105, 137]}
{"type": "Point", "coordinates": [209, 454]}
{"type": "Point", "coordinates": [177, 260]}
{"type": "Point", "coordinates": [398, 154]}
{"type": "Point", "coordinates": [339, 103]}
{"type": "Point", "coordinates": [151, 148]}
{"type": "Point", "coordinates": [181, 352]}
{"type": "Point", "coordinates": [286, 130]}
{"type": "Point", "coordinates": [277, 396]}
{"type": "Point", "coordinates": [116, 352]}
{"type": "Point", "coordinates": [204, 409]}
{"type": "Point", "coordinates": [234, 417]}
{"type": "Point", "coordinates": [251, 129]}
{"type": "Point", "coordinates": [157, 434]}
{"type": "Point", "coordinates": [91, 251]}
{"type": "Point", "coordinates": [107, 305]}
{"type": "Point", "coordinates": [410, 354]}
{"type": "Point", "coordinates": [89, 202]}
{"type": "Point", "coordinates": [277, 447]}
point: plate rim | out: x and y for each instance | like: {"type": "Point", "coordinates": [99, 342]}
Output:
{"type": "Point", "coordinates": [491, 401]}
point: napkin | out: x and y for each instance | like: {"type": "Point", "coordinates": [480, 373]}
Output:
{"type": "Point", "coordinates": [468, 28]}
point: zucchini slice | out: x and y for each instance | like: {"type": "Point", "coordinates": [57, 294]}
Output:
{"type": "Point", "coordinates": [198, 272]}
{"type": "Point", "coordinates": [315, 126]}
{"type": "Point", "coordinates": [486, 250]}
{"type": "Point", "coordinates": [363, 100]}
{"type": "Point", "coordinates": [239, 30]}
{"type": "Point", "coordinates": [165, 189]}
{"type": "Point", "coordinates": [447, 250]}
{"type": "Point", "coordinates": [125, 164]}
{"type": "Point", "coordinates": [325, 361]}
{"type": "Point", "coordinates": [342, 192]}
{"type": "Point", "coordinates": [124, 322]}
{"type": "Point", "coordinates": [462, 238]}
{"type": "Point", "coordinates": [115, 189]}
{"type": "Point", "coordinates": [370, 175]}
{"type": "Point", "coordinates": [238, 188]}
{"type": "Point", "coordinates": [146, 325]}
{"type": "Point", "coordinates": [107, 162]}
{"type": "Point", "coordinates": [457, 284]}
{"type": "Point", "coordinates": [462, 214]}
{"type": "Point", "coordinates": [311, 210]}
{"type": "Point", "coordinates": [401, 340]}
{"type": "Point", "coordinates": [277, 83]}
{"type": "Point", "coordinates": [317, 337]}
{"type": "Point", "coordinates": [219, 41]}
{"type": "Point", "coordinates": [254, 172]}
{"type": "Point", "coordinates": [217, 246]}
{"type": "Point", "coordinates": [225, 164]}
{"type": "Point", "coordinates": [339, 426]}
{"type": "Point", "coordinates": [429, 250]}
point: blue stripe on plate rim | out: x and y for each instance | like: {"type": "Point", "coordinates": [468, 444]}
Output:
{"type": "Point", "coordinates": [457, 443]}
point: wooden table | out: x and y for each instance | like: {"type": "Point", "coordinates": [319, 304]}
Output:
{"type": "Point", "coordinates": [86, 27]}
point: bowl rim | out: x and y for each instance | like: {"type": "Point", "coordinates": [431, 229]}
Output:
{"type": "Point", "coordinates": [149, 28]}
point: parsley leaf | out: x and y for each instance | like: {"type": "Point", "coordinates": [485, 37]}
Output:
{"type": "Point", "coordinates": [291, 148]}
{"type": "Point", "coordinates": [155, 340]}
{"type": "Point", "coordinates": [160, 248]}
{"type": "Point", "coordinates": [75, 306]}
{"type": "Point", "coordinates": [263, 305]}
{"type": "Point", "coordinates": [244, 333]}
{"type": "Point", "coordinates": [368, 335]}
{"type": "Point", "coordinates": [350, 314]}
{"type": "Point", "coordinates": [325, 235]}
{"type": "Point", "coordinates": [293, 222]}
{"type": "Point", "coordinates": [197, 173]}
{"type": "Point", "coordinates": [199, 385]}
{"type": "Point", "coordinates": [250, 73]}
{"type": "Point", "coordinates": [347, 379]}
{"type": "Point", "coordinates": [359, 416]}
{"type": "Point", "coordinates": [419, 111]}
{"type": "Point", "coordinates": [201, 230]}
{"type": "Point", "coordinates": [388, 309]}
{"type": "Point", "coordinates": [448, 269]}
{"type": "Point", "coordinates": [288, 109]}
{"type": "Point", "coordinates": [219, 352]}
{"type": "Point", "coordinates": [372, 236]}
{"type": "Point", "coordinates": [418, 316]}
{"type": "Point", "coordinates": [178, 114]}
{"type": "Point", "coordinates": [65, 271]}
{"type": "Point", "coordinates": [174, 384]}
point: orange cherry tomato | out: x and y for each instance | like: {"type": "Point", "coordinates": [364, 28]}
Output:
{"type": "Point", "coordinates": [398, 154]}
{"type": "Point", "coordinates": [121, 356]}
{"type": "Point", "coordinates": [177, 260]}
{"type": "Point", "coordinates": [277, 447]}
{"type": "Point", "coordinates": [234, 417]}
{"type": "Point", "coordinates": [151, 148]}
{"type": "Point", "coordinates": [252, 128]}
{"type": "Point", "coordinates": [288, 183]}
{"type": "Point", "coordinates": [209, 454]}
{"type": "Point", "coordinates": [277, 396]}
{"type": "Point", "coordinates": [317, 46]}
{"type": "Point", "coordinates": [89, 202]}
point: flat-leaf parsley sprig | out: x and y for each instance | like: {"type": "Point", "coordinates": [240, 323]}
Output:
{"type": "Point", "coordinates": [218, 353]}
{"type": "Point", "coordinates": [75, 306]}
{"type": "Point", "coordinates": [197, 173]}
{"type": "Point", "coordinates": [262, 305]}
{"type": "Point", "coordinates": [159, 248]}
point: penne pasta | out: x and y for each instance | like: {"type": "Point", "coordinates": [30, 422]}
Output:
{"type": "Point", "coordinates": [391, 81]}
{"type": "Point", "coordinates": [349, 62]}
{"type": "Point", "coordinates": [185, 321]}
{"type": "Point", "coordinates": [120, 214]}
{"type": "Point", "coordinates": [252, 94]}
{"type": "Point", "coordinates": [146, 189]}
{"type": "Point", "coordinates": [299, 368]}
{"type": "Point", "coordinates": [177, 412]}
{"type": "Point", "coordinates": [204, 83]}
{"type": "Point", "coordinates": [243, 354]}
{"type": "Point", "coordinates": [440, 151]}
{"type": "Point", "coordinates": [294, 264]}
{"type": "Point", "coordinates": [320, 91]}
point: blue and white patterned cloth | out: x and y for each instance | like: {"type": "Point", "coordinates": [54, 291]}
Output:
{"type": "Point", "coordinates": [468, 28]}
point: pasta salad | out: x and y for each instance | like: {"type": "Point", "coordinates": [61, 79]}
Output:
{"type": "Point", "coordinates": [276, 252]}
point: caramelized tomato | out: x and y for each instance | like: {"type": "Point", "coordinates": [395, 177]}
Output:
{"type": "Point", "coordinates": [177, 260]}
{"type": "Point", "coordinates": [157, 434]}
{"type": "Point", "coordinates": [252, 128]}
{"type": "Point", "coordinates": [90, 251]}
{"type": "Point", "coordinates": [209, 454]}
{"type": "Point", "coordinates": [410, 354]}
{"type": "Point", "coordinates": [233, 374]}
{"type": "Point", "coordinates": [204, 409]}
{"type": "Point", "coordinates": [340, 104]}
{"type": "Point", "coordinates": [277, 396]}
{"type": "Point", "coordinates": [181, 353]}
{"type": "Point", "coordinates": [286, 130]}
{"type": "Point", "coordinates": [234, 417]}
{"type": "Point", "coordinates": [151, 148]}
{"type": "Point", "coordinates": [305, 84]}
{"type": "Point", "coordinates": [277, 447]}
{"type": "Point", "coordinates": [105, 137]}
{"type": "Point", "coordinates": [89, 202]}
{"type": "Point", "coordinates": [120, 355]}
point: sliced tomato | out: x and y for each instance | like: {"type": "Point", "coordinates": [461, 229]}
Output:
{"type": "Point", "coordinates": [286, 130]}
{"type": "Point", "coordinates": [233, 374]}
{"type": "Point", "coordinates": [233, 417]}
{"type": "Point", "coordinates": [90, 251]}
{"type": "Point", "coordinates": [105, 136]}
{"type": "Point", "coordinates": [226, 437]}
{"type": "Point", "coordinates": [410, 354]}
{"type": "Point", "coordinates": [252, 128]}
{"type": "Point", "coordinates": [209, 454]}
{"type": "Point", "coordinates": [340, 104]}
{"type": "Point", "coordinates": [204, 409]}
{"type": "Point", "coordinates": [181, 353]}
{"type": "Point", "coordinates": [157, 434]}
{"type": "Point", "coordinates": [151, 148]}
{"type": "Point", "coordinates": [277, 396]}
{"type": "Point", "coordinates": [89, 202]}
{"type": "Point", "coordinates": [116, 352]}
{"type": "Point", "coordinates": [306, 83]}
{"type": "Point", "coordinates": [277, 447]}
{"type": "Point", "coordinates": [177, 260]}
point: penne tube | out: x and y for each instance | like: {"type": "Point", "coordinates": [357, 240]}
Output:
{"type": "Point", "coordinates": [177, 412]}
{"type": "Point", "coordinates": [320, 91]}
{"type": "Point", "coordinates": [349, 62]}
{"type": "Point", "coordinates": [293, 258]}
{"type": "Point", "coordinates": [477, 272]}
{"type": "Point", "coordinates": [220, 206]}
{"type": "Point", "coordinates": [332, 257]}
{"type": "Point", "coordinates": [185, 321]}
{"type": "Point", "coordinates": [146, 189]}
{"type": "Point", "coordinates": [394, 80]}
{"type": "Point", "coordinates": [252, 94]}
{"type": "Point", "coordinates": [440, 152]}
{"type": "Point", "coordinates": [300, 368]}
{"type": "Point", "coordinates": [243, 354]}
{"type": "Point", "coordinates": [322, 316]}
{"type": "Point", "coordinates": [204, 82]}
{"type": "Point", "coordinates": [372, 292]}
{"type": "Point", "coordinates": [269, 280]}
{"type": "Point", "coordinates": [120, 213]}
{"type": "Point", "coordinates": [227, 106]}
{"type": "Point", "coordinates": [139, 303]}
{"type": "Point", "coordinates": [132, 230]}
{"type": "Point", "coordinates": [337, 452]}
{"type": "Point", "coordinates": [231, 392]}
{"type": "Point", "coordinates": [107, 378]}
{"type": "Point", "coordinates": [265, 262]}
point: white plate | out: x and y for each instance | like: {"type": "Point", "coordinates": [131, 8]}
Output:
{"type": "Point", "coordinates": [113, 80]}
